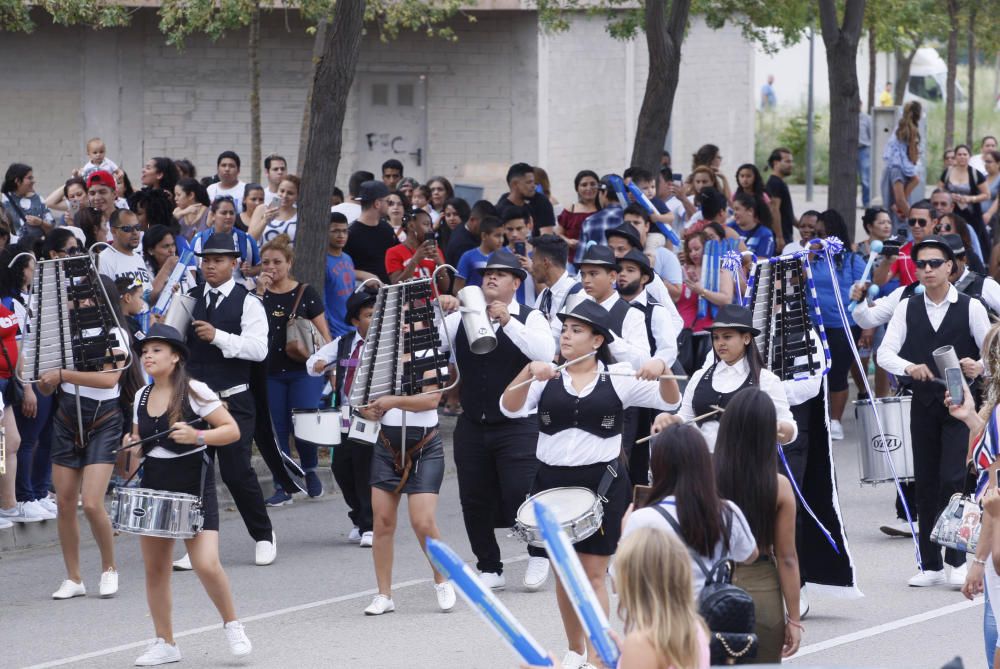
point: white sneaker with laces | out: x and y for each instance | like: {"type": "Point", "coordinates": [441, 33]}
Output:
{"type": "Point", "coordinates": [573, 660]}
{"type": "Point", "coordinates": [266, 551]}
{"type": "Point", "coordinates": [380, 604]}
{"type": "Point", "coordinates": [366, 540]}
{"type": "Point", "coordinates": [49, 504]}
{"type": "Point", "coordinates": [70, 589]}
{"type": "Point", "coordinates": [39, 509]}
{"type": "Point", "coordinates": [927, 578]}
{"type": "Point", "coordinates": [159, 652]}
{"type": "Point", "coordinates": [836, 430]}
{"type": "Point", "coordinates": [5, 524]}
{"type": "Point", "coordinates": [445, 595]}
{"type": "Point", "coordinates": [492, 580]}
{"type": "Point", "coordinates": [239, 643]}
{"type": "Point", "coordinates": [18, 514]}
{"type": "Point", "coordinates": [184, 564]}
{"type": "Point", "coordinates": [956, 577]}
{"type": "Point", "coordinates": [109, 583]}
{"type": "Point", "coordinates": [355, 535]}
{"type": "Point", "coordinates": [536, 574]}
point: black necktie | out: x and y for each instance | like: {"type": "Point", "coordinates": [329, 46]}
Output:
{"type": "Point", "coordinates": [213, 299]}
{"type": "Point", "coordinates": [547, 302]}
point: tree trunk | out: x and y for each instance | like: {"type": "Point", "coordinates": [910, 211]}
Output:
{"type": "Point", "coordinates": [253, 53]}
{"type": "Point", "coordinates": [903, 63]}
{"type": "Point", "coordinates": [949, 107]}
{"type": "Point", "coordinates": [328, 106]}
{"type": "Point", "coordinates": [872, 57]}
{"type": "Point", "coordinates": [319, 39]}
{"type": "Point", "coordinates": [971, 111]}
{"type": "Point", "coordinates": [841, 41]}
{"type": "Point", "coordinates": [664, 37]}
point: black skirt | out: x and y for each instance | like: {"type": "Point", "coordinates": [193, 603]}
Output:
{"type": "Point", "coordinates": [426, 472]}
{"type": "Point", "coordinates": [183, 474]}
{"type": "Point", "coordinates": [605, 540]}
{"type": "Point", "coordinates": [101, 441]}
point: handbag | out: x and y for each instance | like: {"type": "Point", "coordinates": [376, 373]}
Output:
{"type": "Point", "coordinates": [958, 525]}
{"type": "Point", "coordinates": [302, 338]}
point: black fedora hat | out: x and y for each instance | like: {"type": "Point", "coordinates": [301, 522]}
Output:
{"type": "Point", "coordinates": [734, 317]}
{"type": "Point", "coordinates": [628, 231]}
{"type": "Point", "coordinates": [955, 242]}
{"type": "Point", "coordinates": [593, 314]}
{"type": "Point", "coordinates": [219, 244]}
{"type": "Point", "coordinates": [357, 301]}
{"type": "Point", "coordinates": [600, 255]}
{"type": "Point", "coordinates": [505, 261]}
{"type": "Point", "coordinates": [640, 259]}
{"type": "Point", "coordinates": [933, 242]}
{"type": "Point", "coordinates": [163, 332]}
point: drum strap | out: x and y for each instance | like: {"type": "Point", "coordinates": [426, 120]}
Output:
{"type": "Point", "coordinates": [610, 474]}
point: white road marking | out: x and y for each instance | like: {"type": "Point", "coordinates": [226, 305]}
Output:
{"type": "Point", "coordinates": [260, 616]}
{"type": "Point", "coordinates": [886, 627]}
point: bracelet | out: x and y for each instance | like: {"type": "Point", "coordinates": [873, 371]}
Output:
{"type": "Point", "coordinates": [794, 623]}
{"type": "Point", "coordinates": [981, 563]}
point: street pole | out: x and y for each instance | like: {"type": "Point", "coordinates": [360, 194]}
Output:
{"type": "Point", "coordinates": [810, 124]}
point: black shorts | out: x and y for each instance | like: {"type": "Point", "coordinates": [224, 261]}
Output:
{"type": "Point", "coordinates": [605, 540]}
{"type": "Point", "coordinates": [841, 356]}
{"type": "Point", "coordinates": [183, 474]}
{"type": "Point", "coordinates": [101, 443]}
{"type": "Point", "coordinates": [426, 472]}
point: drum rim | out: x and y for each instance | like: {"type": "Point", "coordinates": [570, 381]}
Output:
{"type": "Point", "coordinates": [153, 493]}
{"type": "Point", "coordinates": [315, 411]}
{"type": "Point", "coordinates": [885, 400]}
{"type": "Point", "coordinates": [532, 498]}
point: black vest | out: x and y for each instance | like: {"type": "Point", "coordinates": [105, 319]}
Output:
{"type": "Point", "coordinates": [485, 377]}
{"type": "Point", "coordinates": [972, 285]}
{"type": "Point", "coordinates": [921, 340]}
{"type": "Point", "coordinates": [206, 362]}
{"type": "Point", "coordinates": [148, 425]}
{"type": "Point", "coordinates": [618, 313]}
{"type": "Point", "coordinates": [599, 413]}
{"type": "Point", "coordinates": [647, 311]}
{"type": "Point", "coordinates": [705, 395]}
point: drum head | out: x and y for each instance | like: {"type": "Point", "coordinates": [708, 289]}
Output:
{"type": "Point", "coordinates": [566, 504]}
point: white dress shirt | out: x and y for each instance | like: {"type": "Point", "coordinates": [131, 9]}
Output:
{"type": "Point", "coordinates": [251, 343]}
{"type": "Point", "coordinates": [871, 315]}
{"type": "Point", "coordinates": [726, 379]}
{"type": "Point", "coordinates": [327, 353]}
{"type": "Point", "coordinates": [664, 333]}
{"type": "Point", "coordinates": [560, 292]}
{"type": "Point", "coordinates": [631, 344]}
{"type": "Point", "coordinates": [991, 291]}
{"type": "Point", "coordinates": [576, 447]}
{"type": "Point", "coordinates": [658, 290]}
{"type": "Point", "coordinates": [895, 334]}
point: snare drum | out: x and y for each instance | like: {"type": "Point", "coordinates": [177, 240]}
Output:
{"type": "Point", "coordinates": [317, 426]}
{"type": "Point", "coordinates": [895, 415]}
{"type": "Point", "coordinates": [577, 510]}
{"type": "Point", "coordinates": [156, 513]}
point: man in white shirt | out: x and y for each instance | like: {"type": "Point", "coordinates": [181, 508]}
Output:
{"type": "Point", "coordinates": [352, 207]}
{"type": "Point", "coordinates": [121, 260]}
{"type": "Point", "coordinates": [276, 168]}
{"type": "Point", "coordinates": [548, 268]}
{"type": "Point", "coordinates": [228, 169]}
{"type": "Point", "coordinates": [940, 442]}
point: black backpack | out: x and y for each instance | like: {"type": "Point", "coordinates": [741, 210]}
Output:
{"type": "Point", "coordinates": [727, 609]}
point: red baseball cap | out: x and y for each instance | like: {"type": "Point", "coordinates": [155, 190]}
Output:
{"type": "Point", "coordinates": [101, 178]}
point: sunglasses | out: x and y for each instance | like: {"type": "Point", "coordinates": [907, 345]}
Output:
{"type": "Point", "coordinates": [918, 221]}
{"type": "Point", "coordinates": [72, 251]}
{"type": "Point", "coordinates": [128, 229]}
{"type": "Point", "coordinates": [934, 263]}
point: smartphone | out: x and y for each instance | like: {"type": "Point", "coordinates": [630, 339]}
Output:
{"type": "Point", "coordinates": [956, 385]}
{"type": "Point", "coordinates": [640, 495]}
{"type": "Point", "coordinates": [678, 177]}
{"type": "Point", "coordinates": [520, 248]}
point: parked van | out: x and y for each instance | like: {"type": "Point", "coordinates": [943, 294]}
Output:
{"type": "Point", "coordinates": [928, 79]}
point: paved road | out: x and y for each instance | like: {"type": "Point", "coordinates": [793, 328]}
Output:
{"type": "Point", "coordinates": [306, 609]}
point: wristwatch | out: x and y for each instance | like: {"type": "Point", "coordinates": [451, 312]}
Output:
{"type": "Point", "coordinates": [201, 438]}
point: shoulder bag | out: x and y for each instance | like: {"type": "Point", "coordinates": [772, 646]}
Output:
{"type": "Point", "coordinates": [302, 338]}
{"type": "Point", "coordinates": [959, 524]}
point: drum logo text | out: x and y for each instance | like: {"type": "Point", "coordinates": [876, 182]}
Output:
{"type": "Point", "coordinates": [138, 513]}
{"type": "Point", "coordinates": [891, 443]}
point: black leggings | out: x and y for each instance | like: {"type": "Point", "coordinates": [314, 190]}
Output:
{"type": "Point", "coordinates": [841, 357]}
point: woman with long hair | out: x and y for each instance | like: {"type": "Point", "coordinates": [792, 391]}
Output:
{"type": "Point", "coordinates": [708, 155]}
{"type": "Point", "coordinates": [154, 207]}
{"type": "Point", "coordinates": [397, 208]}
{"type": "Point", "coordinates": [456, 213]}
{"type": "Point", "coordinates": [159, 250]}
{"type": "Point", "coordinates": [696, 303]}
{"type": "Point", "coordinates": [953, 224]}
{"type": "Point", "coordinates": [684, 486]}
{"type": "Point", "coordinates": [160, 172]}
{"type": "Point", "coordinates": [253, 197]}
{"type": "Point", "coordinates": [289, 385]}
{"type": "Point", "coordinates": [179, 463]}
{"type": "Point", "coordinates": [586, 183]}
{"type": "Point", "coordinates": [749, 180]}
{"type": "Point", "coordinates": [68, 199]}
{"type": "Point", "coordinates": [191, 210]}
{"type": "Point", "coordinates": [27, 214]}
{"type": "Point", "coordinates": [877, 223]}
{"type": "Point", "coordinates": [581, 412]}
{"type": "Point", "coordinates": [900, 157]}
{"type": "Point", "coordinates": [969, 190]}
{"type": "Point", "coordinates": [281, 217]}
{"type": "Point", "coordinates": [14, 508]}
{"type": "Point", "coordinates": [746, 472]}
{"type": "Point", "coordinates": [441, 191]}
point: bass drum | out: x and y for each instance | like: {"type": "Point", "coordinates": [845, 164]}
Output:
{"type": "Point", "coordinates": [895, 415]}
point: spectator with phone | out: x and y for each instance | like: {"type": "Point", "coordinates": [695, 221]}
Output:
{"type": "Point", "coordinates": [419, 255]}
{"type": "Point", "coordinates": [517, 228]}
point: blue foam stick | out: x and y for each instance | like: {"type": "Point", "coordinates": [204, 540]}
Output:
{"type": "Point", "coordinates": [641, 198]}
{"type": "Point", "coordinates": [486, 604]}
{"type": "Point", "coordinates": [574, 579]}
{"type": "Point", "coordinates": [619, 187]}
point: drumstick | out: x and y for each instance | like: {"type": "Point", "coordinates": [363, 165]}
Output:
{"type": "Point", "coordinates": [661, 376]}
{"type": "Point", "coordinates": [716, 409]}
{"type": "Point", "coordinates": [557, 369]}
{"type": "Point", "coordinates": [158, 435]}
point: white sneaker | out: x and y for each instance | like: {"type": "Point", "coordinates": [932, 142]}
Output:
{"type": "Point", "coordinates": [446, 595]}
{"type": "Point", "coordinates": [366, 539]}
{"type": "Point", "coordinates": [109, 583]}
{"type": "Point", "coordinates": [5, 524]}
{"type": "Point", "coordinates": [537, 573]}
{"type": "Point", "coordinates": [159, 652]}
{"type": "Point", "coordinates": [19, 514]}
{"type": "Point", "coordinates": [492, 580]}
{"type": "Point", "coordinates": [184, 564]}
{"type": "Point", "coordinates": [239, 643]}
{"type": "Point", "coordinates": [40, 510]}
{"type": "Point", "coordinates": [70, 589]}
{"type": "Point", "coordinates": [927, 578]}
{"type": "Point", "coordinates": [266, 551]}
{"type": "Point", "coordinates": [382, 604]}
{"type": "Point", "coordinates": [573, 660]}
{"type": "Point", "coordinates": [49, 504]}
{"type": "Point", "coordinates": [900, 528]}
{"type": "Point", "coordinates": [355, 535]}
{"type": "Point", "coordinates": [836, 430]}
{"type": "Point", "coordinates": [956, 577]}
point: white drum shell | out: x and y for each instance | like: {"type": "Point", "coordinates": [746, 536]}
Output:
{"type": "Point", "coordinates": [156, 513]}
{"type": "Point", "coordinates": [578, 510]}
{"type": "Point", "coordinates": [180, 312]}
{"type": "Point", "coordinates": [895, 415]}
{"type": "Point", "coordinates": [317, 426]}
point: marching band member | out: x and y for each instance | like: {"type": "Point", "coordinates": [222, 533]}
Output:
{"type": "Point", "coordinates": [580, 414]}
{"type": "Point", "coordinates": [179, 463]}
{"type": "Point", "coordinates": [228, 333]}
{"type": "Point", "coordinates": [351, 462]}
{"type": "Point", "coordinates": [82, 464]}
{"type": "Point", "coordinates": [494, 452]}
{"type": "Point", "coordinates": [737, 365]}
{"type": "Point", "coordinates": [626, 238]}
{"type": "Point", "coordinates": [548, 268]}
{"type": "Point", "coordinates": [917, 328]}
